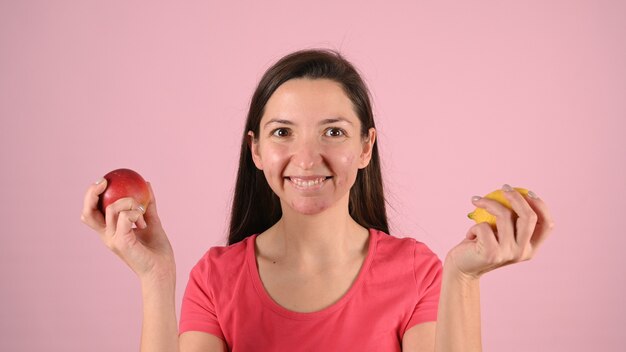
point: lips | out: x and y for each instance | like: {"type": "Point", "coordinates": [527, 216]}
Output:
{"type": "Point", "coordinates": [307, 182]}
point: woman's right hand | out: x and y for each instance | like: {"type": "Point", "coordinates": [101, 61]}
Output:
{"type": "Point", "coordinates": [143, 247]}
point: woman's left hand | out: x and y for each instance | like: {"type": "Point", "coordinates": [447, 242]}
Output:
{"type": "Point", "coordinates": [518, 235]}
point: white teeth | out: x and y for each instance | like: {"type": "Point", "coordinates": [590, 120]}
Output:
{"type": "Point", "coordinates": [303, 183]}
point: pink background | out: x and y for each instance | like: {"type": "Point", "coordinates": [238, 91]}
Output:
{"type": "Point", "coordinates": [467, 96]}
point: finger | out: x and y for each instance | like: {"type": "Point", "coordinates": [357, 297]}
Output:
{"type": "Point", "coordinates": [487, 246]}
{"type": "Point", "coordinates": [504, 220]}
{"type": "Point", "coordinates": [545, 222]}
{"type": "Point", "coordinates": [141, 222]}
{"type": "Point", "coordinates": [484, 233]}
{"type": "Point", "coordinates": [126, 220]}
{"type": "Point", "coordinates": [114, 210]}
{"type": "Point", "coordinates": [526, 217]}
{"type": "Point", "coordinates": [124, 238]}
{"type": "Point", "coordinates": [91, 215]}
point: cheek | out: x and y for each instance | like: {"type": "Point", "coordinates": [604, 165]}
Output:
{"type": "Point", "coordinates": [274, 160]}
{"type": "Point", "coordinates": [344, 158]}
{"type": "Point", "coordinates": [345, 165]}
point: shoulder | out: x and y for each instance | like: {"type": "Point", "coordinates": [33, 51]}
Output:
{"type": "Point", "coordinates": [408, 255]}
{"type": "Point", "coordinates": [402, 246]}
{"type": "Point", "coordinates": [224, 260]}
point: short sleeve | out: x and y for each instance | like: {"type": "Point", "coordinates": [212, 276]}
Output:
{"type": "Point", "coordinates": [198, 309]}
{"type": "Point", "coordinates": [428, 273]}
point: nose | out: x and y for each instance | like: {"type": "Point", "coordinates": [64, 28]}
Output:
{"type": "Point", "coordinates": [306, 154]}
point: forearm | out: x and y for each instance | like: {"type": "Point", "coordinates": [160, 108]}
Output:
{"type": "Point", "coordinates": [159, 331]}
{"type": "Point", "coordinates": [458, 321]}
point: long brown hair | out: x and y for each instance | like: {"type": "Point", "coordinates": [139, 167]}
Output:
{"type": "Point", "coordinates": [255, 206]}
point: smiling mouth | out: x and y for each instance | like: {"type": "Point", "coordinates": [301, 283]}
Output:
{"type": "Point", "coordinates": [308, 182]}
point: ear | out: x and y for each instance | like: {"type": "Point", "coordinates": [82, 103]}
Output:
{"type": "Point", "coordinates": [368, 146]}
{"type": "Point", "coordinates": [254, 150]}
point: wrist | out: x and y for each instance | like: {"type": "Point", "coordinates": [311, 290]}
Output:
{"type": "Point", "coordinates": [158, 294]}
{"type": "Point", "coordinates": [451, 272]}
{"type": "Point", "coordinates": [158, 281]}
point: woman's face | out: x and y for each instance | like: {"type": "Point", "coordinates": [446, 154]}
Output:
{"type": "Point", "coordinates": [309, 144]}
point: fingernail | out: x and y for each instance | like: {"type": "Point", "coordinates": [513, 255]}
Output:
{"type": "Point", "coordinates": [532, 195]}
{"type": "Point", "coordinates": [141, 209]}
{"type": "Point", "coordinates": [475, 198]}
{"type": "Point", "coordinates": [507, 188]}
{"type": "Point", "coordinates": [100, 180]}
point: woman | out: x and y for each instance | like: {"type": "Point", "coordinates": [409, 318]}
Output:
{"type": "Point", "coordinates": [310, 264]}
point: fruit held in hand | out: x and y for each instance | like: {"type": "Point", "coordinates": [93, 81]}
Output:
{"type": "Point", "coordinates": [481, 215]}
{"type": "Point", "coordinates": [122, 183]}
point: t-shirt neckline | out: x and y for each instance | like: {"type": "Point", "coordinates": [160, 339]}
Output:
{"type": "Point", "coordinates": [268, 302]}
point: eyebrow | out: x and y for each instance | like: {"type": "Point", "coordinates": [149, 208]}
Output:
{"type": "Point", "coordinates": [323, 122]}
{"type": "Point", "coordinates": [335, 120]}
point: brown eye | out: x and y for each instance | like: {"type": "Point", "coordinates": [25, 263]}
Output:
{"type": "Point", "coordinates": [335, 132]}
{"type": "Point", "coordinates": [280, 132]}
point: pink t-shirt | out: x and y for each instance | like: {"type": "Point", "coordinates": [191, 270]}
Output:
{"type": "Point", "coordinates": [397, 287]}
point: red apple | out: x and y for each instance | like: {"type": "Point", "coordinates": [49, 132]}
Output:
{"type": "Point", "coordinates": [122, 183]}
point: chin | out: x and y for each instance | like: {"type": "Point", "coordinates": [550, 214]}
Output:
{"type": "Point", "coordinates": [309, 208]}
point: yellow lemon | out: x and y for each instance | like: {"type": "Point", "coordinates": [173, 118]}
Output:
{"type": "Point", "coordinates": [481, 215]}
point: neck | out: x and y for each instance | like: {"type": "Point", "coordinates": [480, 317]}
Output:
{"type": "Point", "coordinates": [324, 239]}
